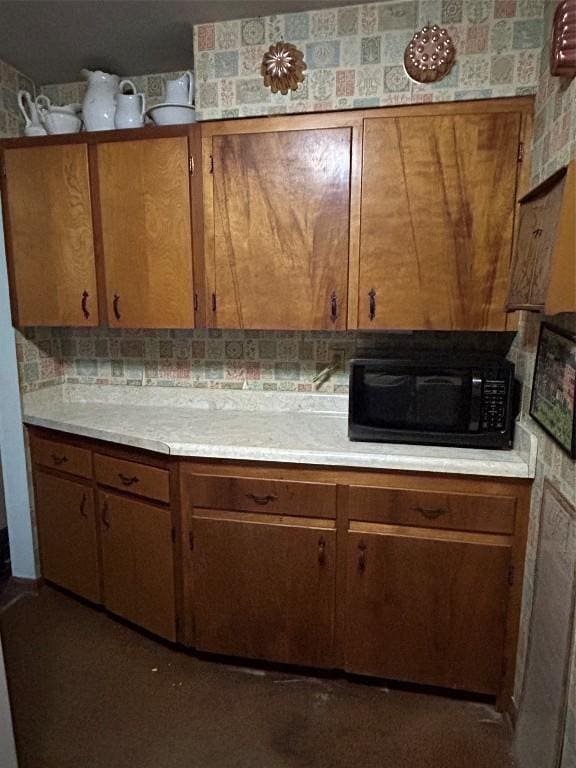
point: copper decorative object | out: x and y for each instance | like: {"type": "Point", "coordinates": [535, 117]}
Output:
{"type": "Point", "coordinates": [283, 67]}
{"type": "Point", "coordinates": [563, 47]}
{"type": "Point", "coordinates": [430, 55]}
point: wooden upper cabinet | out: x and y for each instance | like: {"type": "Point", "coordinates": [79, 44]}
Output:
{"type": "Point", "coordinates": [281, 228]}
{"type": "Point", "coordinates": [437, 218]}
{"type": "Point", "coordinates": [544, 267]}
{"type": "Point", "coordinates": [144, 191]}
{"type": "Point", "coordinates": [48, 223]}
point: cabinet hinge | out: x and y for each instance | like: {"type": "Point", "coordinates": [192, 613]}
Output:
{"type": "Point", "coordinates": [191, 165]}
{"type": "Point", "coordinates": [195, 302]}
{"type": "Point", "coordinates": [211, 164]}
{"type": "Point", "coordinates": [191, 541]}
{"type": "Point", "coordinates": [213, 302]}
{"type": "Point", "coordinates": [511, 574]}
{"type": "Point", "coordinates": [520, 151]}
{"type": "Point", "coordinates": [173, 534]}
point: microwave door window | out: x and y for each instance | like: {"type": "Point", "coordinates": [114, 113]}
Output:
{"type": "Point", "coordinates": [387, 400]}
{"type": "Point", "coordinates": [442, 403]}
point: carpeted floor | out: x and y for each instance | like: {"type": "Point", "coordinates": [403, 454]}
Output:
{"type": "Point", "coordinates": [89, 692]}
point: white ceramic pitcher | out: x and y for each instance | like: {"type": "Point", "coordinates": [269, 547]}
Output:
{"type": "Point", "coordinates": [99, 105]}
{"type": "Point", "coordinates": [130, 107]}
{"type": "Point", "coordinates": [32, 123]}
{"type": "Point", "coordinates": [181, 90]}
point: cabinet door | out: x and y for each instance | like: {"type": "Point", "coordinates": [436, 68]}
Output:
{"type": "Point", "coordinates": [67, 534]}
{"type": "Point", "coordinates": [437, 221]}
{"type": "Point", "coordinates": [138, 564]}
{"type": "Point", "coordinates": [49, 235]}
{"type": "Point", "coordinates": [264, 589]}
{"type": "Point", "coordinates": [426, 606]}
{"type": "Point", "coordinates": [281, 219]}
{"type": "Point", "coordinates": [146, 233]}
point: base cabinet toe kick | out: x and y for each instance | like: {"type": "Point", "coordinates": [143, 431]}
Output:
{"type": "Point", "coordinates": [413, 577]}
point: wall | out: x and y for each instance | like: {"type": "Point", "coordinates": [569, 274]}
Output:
{"type": "Point", "coordinates": [554, 146]}
{"type": "Point", "coordinates": [355, 54]}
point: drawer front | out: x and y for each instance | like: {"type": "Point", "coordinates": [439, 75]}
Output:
{"type": "Point", "coordinates": [275, 497]}
{"type": "Point", "coordinates": [130, 476]}
{"type": "Point", "coordinates": [61, 456]}
{"type": "Point", "coordinates": [430, 509]}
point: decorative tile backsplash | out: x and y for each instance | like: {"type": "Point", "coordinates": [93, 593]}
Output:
{"type": "Point", "coordinates": [12, 81]}
{"type": "Point", "coordinates": [219, 359]}
{"type": "Point", "coordinates": [355, 56]}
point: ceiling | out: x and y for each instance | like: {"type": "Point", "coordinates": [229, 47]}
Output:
{"type": "Point", "coordinates": [52, 40]}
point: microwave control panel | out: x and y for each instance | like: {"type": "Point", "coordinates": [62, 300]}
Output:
{"type": "Point", "coordinates": [494, 405]}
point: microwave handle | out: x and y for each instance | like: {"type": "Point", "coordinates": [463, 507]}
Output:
{"type": "Point", "coordinates": [475, 402]}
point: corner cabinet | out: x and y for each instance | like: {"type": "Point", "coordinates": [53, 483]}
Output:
{"type": "Point", "coordinates": [99, 228]}
{"type": "Point", "coordinates": [278, 226]}
{"type": "Point", "coordinates": [49, 235]}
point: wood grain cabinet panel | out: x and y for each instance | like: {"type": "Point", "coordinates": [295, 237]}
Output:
{"type": "Point", "coordinates": [138, 563]}
{"type": "Point", "coordinates": [146, 233]}
{"type": "Point", "coordinates": [281, 228]}
{"type": "Point", "coordinates": [49, 236]}
{"type": "Point", "coordinates": [264, 588]}
{"type": "Point", "coordinates": [133, 477]}
{"type": "Point", "coordinates": [61, 456]}
{"type": "Point", "coordinates": [426, 606]}
{"type": "Point", "coordinates": [437, 220]}
{"type": "Point", "coordinates": [67, 534]}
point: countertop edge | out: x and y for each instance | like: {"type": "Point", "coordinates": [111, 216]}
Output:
{"type": "Point", "coordinates": [518, 470]}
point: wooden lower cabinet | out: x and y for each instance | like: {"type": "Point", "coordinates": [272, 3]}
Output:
{"type": "Point", "coordinates": [426, 606]}
{"type": "Point", "coordinates": [138, 563]}
{"type": "Point", "coordinates": [264, 587]}
{"type": "Point", "coordinates": [67, 534]}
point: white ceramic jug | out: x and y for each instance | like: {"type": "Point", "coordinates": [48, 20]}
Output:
{"type": "Point", "coordinates": [130, 107]}
{"type": "Point", "coordinates": [62, 119]}
{"type": "Point", "coordinates": [181, 90]}
{"type": "Point", "coordinates": [32, 124]}
{"type": "Point", "coordinates": [99, 105]}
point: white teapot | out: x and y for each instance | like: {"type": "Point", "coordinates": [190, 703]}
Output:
{"type": "Point", "coordinates": [181, 90]}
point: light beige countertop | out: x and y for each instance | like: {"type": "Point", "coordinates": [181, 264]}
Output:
{"type": "Point", "coordinates": [253, 426]}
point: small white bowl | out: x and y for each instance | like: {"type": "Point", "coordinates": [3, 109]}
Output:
{"type": "Point", "coordinates": [61, 121]}
{"type": "Point", "coordinates": [172, 114]}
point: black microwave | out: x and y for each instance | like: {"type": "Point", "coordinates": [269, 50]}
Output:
{"type": "Point", "coordinates": [470, 403]}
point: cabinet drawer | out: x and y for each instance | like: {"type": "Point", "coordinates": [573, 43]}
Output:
{"type": "Point", "coordinates": [276, 497]}
{"type": "Point", "coordinates": [431, 509]}
{"type": "Point", "coordinates": [139, 479]}
{"type": "Point", "coordinates": [57, 455]}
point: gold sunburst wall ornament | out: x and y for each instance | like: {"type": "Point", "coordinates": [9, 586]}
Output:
{"type": "Point", "coordinates": [283, 67]}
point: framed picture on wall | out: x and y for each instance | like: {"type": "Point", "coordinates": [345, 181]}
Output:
{"type": "Point", "coordinates": [554, 386]}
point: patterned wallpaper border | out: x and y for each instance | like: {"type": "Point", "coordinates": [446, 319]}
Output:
{"type": "Point", "coordinates": [354, 56]}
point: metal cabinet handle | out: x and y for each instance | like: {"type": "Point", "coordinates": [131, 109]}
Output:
{"type": "Point", "coordinates": [58, 460]}
{"type": "Point", "coordinates": [321, 551]}
{"type": "Point", "coordinates": [125, 480]}
{"type": "Point", "coordinates": [261, 499]}
{"type": "Point", "coordinates": [84, 304]}
{"type": "Point", "coordinates": [362, 557]}
{"type": "Point", "coordinates": [372, 304]}
{"type": "Point", "coordinates": [83, 506]}
{"type": "Point", "coordinates": [104, 515]}
{"type": "Point", "coordinates": [333, 307]}
{"type": "Point", "coordinates": [115, 306]}
{"type": "Point", "coordinates": [431, 514]}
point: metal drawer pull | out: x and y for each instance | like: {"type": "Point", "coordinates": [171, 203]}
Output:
{"type": "Point", "coordinates": [361, 557]}
{"type": "Point", "coordinates": [128, 480]}
{"type": "Point", "coordinates": [431, 514]}
{"type": "Point", "coordinates": [84, 304]}
{"type": "Point", "coordinates": [104, 515]}
{"type": "Point", "coordinates": [321, 551]}
{"type": "Point", "coordinates": [372, 304]}
{"type": "Point", "coordinates": [261, 499]}
{"type": "Point", "coordinates": [83, 506]}
{"type": "Point", "coordinates": [58, 460]}
{"type": "Point", "coordinates": [115, 306]}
